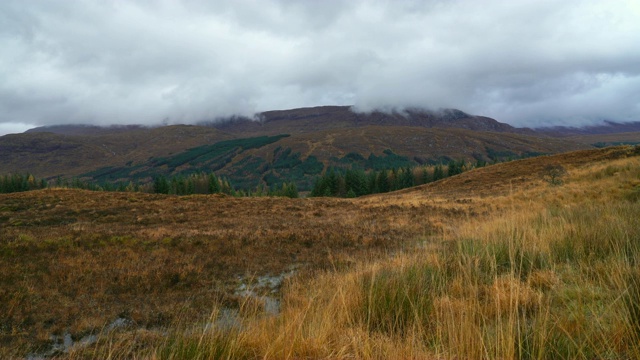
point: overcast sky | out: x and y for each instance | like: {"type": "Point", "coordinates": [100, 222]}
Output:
{"type": "Point", "coordinates": [526, 63]}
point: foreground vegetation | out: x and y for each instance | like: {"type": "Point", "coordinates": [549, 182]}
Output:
{"type": "Point", "coordinates": [560, 282]}
{"type": "Point", "coordinates": [537, 269]}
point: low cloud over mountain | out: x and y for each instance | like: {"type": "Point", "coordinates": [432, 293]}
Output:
{"type": "Point", "coordinates": [528, 63]}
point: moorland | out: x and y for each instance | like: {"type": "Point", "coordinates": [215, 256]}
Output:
{"type": "Point", "coordinates": [505, 261]}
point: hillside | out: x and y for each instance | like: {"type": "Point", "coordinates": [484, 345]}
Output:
{"type": "Point", "coordinates": [606, 128]}
{"type": "Point", "coordinates": [272, 159]}
{"type": "Point", "coordinates": [281, 146]}
{"type": "Point", "coordinates": [602, 140]}
{"type": "Point", "coordinates": [81, 149]}
{"type": "Point", "coordinates": [75, 261]}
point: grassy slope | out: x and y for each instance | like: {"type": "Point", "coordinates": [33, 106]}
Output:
{"type": "Point", "coordinates": [76, 260]}
{"type": "Point", "coordinates": [426, 143]}
{"type": "Point", "coordinates": [551, 272]}
{"type": "Point", "coordinates": [249, 166]}
{"type": "Point", "coordinates": [46, 154]}
{"type": "Point", "coordinates": [632, 137]}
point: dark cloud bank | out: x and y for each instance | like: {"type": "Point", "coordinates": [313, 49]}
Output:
{"type": "Point", "coordinates": [527, 63]}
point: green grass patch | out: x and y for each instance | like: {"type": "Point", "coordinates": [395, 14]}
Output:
{"type": "Point", "coordinates": [396, 301]}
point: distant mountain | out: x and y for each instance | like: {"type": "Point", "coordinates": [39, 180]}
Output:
{"type": "Point", "coordinates": [608, 127]}
{"type": "Point", "coordinates": [289, 145]}
{"type": "Point", "coordinates": [86, 129]}
{"type": "Point", "coordinates": [322, 118]}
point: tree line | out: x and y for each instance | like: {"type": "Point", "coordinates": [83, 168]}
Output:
{"type": "Point", "coordinates": [202, 183]}
{"type": "Point", "coordinates": [335, 182]}
{"type": "Point", "coordinates": [199, 183]}
{"type": "Point", "coordinates": [338, 182]}
{"type": "Point", "coordinates": [17, 183]}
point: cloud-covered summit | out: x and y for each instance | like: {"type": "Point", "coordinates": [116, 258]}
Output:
{"type": "Point", "coordinates": [526, 62]}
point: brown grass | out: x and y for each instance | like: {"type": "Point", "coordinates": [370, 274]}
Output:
{"type": "Point", "coordinates": [75, 261]}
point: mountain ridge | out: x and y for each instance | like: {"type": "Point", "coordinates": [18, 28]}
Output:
{"type": "Point", "coordinates": [308, 119]}
{"type": "Point", "coordinates": [283, 145]}
{"type": "Point", "coordinates": [606, 128]}
{"type": "Point", "coordinates": [333, 116]}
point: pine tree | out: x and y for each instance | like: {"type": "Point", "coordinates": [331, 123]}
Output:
{"type": "Point", "coordinates": [160, 185]}
{"type": "Point", "coordinates": [395, 180]}
{"type": "Point", "coordinates": [372, 183]}
{"type": "Point", "coordinates": [425, 176]}
{"type": "Point", "coordinates": [320, 188]}
{"type": "Point", "coordinates": [332, 183]}
{"type": "Point", "coordinates": [226, 188]}
{"type": "Point", "coordinates": [3, 185]}
{"type": "Point", "coordinates": [214, 184]}
{"type": "Point", "coordinates": [290, 190]}
{"type": "Point", "coordinates": [383, 182]}
{"type": "Point", "coordinates": [191, 186]}
{"type": "Point", "coordinates": [438, 172]}
{"type": "Point", "coordinates": [407, 178]}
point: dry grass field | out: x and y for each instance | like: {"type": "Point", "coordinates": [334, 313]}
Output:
{"type": "Point", "coordinates": [492, 263]}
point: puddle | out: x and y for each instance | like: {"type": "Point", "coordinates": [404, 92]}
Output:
{"type": "Point", "coordinates": [63, 344]}
{"type": "Point", "coordinates": [267, 283]}
{"type": "Point", "coordinates": [263, 289]}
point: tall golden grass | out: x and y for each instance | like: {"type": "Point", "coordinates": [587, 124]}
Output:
{"type": "Point", "coordinates": [532, 271]}
{"type": "Point", "coordinates": [560, 280]}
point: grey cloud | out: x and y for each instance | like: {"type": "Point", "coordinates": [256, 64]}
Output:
{"type": "Point", "coordinates": [524, 62]}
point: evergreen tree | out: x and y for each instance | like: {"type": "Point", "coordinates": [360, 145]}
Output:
{"type": "Point", "coordinates": [226, 188]}
{"type": "Point", "coordinates": [4, 185]}
{"type": "Point", "coordinates": [383, 182]}
{"type": "Point", "coordinates": [451, 168]}
{"type": "Point", "coordinates": [160, 185]}
{"type": "Point", "coordinates": [321, 187]}
{"type": "Point", "coordinates": [395, 179]}
{"type": "Point", "coordinates": [372, 183]}
{"type": "Point", "coordinates": [332, 183]}
{"type": "Point", "coordinates": [407, 178]}
{"type": "Point", "coordinates": [356, 180]}
{"type": "Point", "coordinates": [109, 187]}
{"type": "Point", "coordinates": [214, 184]}
{"type": "Point", "coordinates": [438, 172]}
{"type": "Point", "coordinates": [121, 187]}
{"type": "Point", "coordinates": [425, 176]}
{"type": "Point", "coordinates": [290, 190]}
{"type": "Point", "coordinates": [191, 186]}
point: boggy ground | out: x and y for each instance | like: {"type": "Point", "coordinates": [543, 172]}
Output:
{"type": "Point", "coordinates": [74, 261]}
